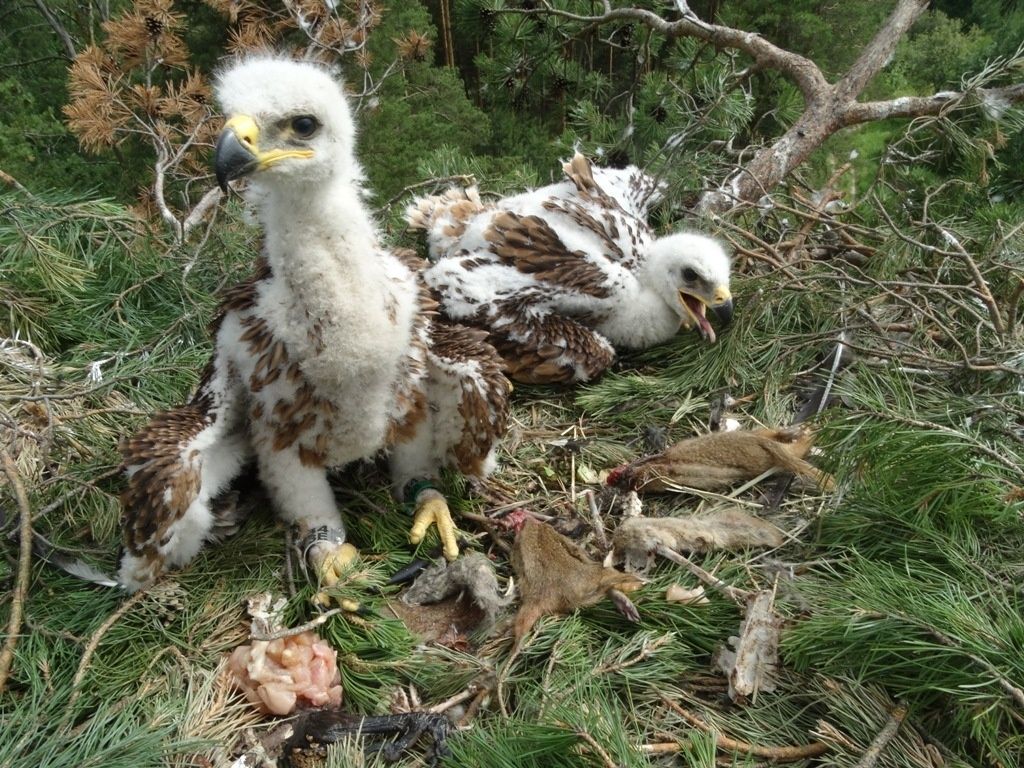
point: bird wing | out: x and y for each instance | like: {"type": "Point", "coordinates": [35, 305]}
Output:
{"type": "Point", "coordinates": [551, 349]}
{"type": "Point", "coordinates": [163, 473]}
{"type": "Point", "coordinates": [532, 246]}
{"type": "Point", "coordinates": [565, 248]}
{"type": "Point", "coordinates": [629, 188]}
{"type": "Point", "coordinates": [163, 480]}
{"type": "Point", "coordinates": [445, 217]}
{"type": "Point", "coordinates": [468, 395]}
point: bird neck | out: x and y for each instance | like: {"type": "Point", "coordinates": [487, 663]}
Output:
{"type": "Point", "coordinates": [327, 224]}
{"type": "Point", "coordinates": [646, 313]}
{"type": "Point", "coordinates": [339, 303]}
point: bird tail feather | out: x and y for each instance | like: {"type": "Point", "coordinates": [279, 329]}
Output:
{"type": "Point", "coordinates": [444, 217]}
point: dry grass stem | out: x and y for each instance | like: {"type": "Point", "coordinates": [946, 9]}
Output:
{"type": "Point", "coordinates": [789, 754]}
{"type": "Point", "coordinates": [881, 741]}
{"type": "Point", "coordinates": [24, 560]}
{"type": "Point", "coordinates": [93, 644]}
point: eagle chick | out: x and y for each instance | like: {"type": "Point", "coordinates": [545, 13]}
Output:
{"type": "Point", "coordinates": [330, 354]}
{"type": "Point", "coordinates": [563, 276]}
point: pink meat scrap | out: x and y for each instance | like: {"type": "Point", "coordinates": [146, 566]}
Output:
{"type": "Point", "coordinates": [281, 675]}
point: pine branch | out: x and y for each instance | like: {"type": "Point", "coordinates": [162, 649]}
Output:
{"type": "Point", "coordinates": [24, 559]}
{"type": "Point", "coordinates": [778, 754]}
{"type": "Point", "coordinates": [827, 107]}
{"type": "Point", "coordinates": [66, 41]}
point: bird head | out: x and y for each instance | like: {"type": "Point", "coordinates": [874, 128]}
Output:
{"type": "Point", "coordinates": [691, 272]}
{"type": "Point", "coordinates": [285, 120]}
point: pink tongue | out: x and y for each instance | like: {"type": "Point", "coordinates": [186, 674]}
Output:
{"type": "Point", "coordinates": [706, 329]}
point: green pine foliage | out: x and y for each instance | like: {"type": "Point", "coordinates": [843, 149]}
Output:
{"type": "Point", "coordinates": [899, 590]}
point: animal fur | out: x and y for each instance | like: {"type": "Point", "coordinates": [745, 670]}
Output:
{"type": "Point", "coordinates": [638, 538]}
{"type": "Point", "coordinates": [720, 460]}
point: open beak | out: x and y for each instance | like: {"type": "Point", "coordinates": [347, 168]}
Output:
{"type": "Point", "coordinates": [695, 308]}
{"type": "Point", "coordinates": [238, 151]}
{"type": "Point", "coordinates": [723, 311]}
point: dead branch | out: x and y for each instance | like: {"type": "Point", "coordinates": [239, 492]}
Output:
{"type": "Point", "coordinates": [24, 558]}
{"type": "Point", "coordinates": [593, 745]}
{"type": "Point", "coordinates": [979, 281]}
{"type": "Point", "coordinates": [778, 754]}
{"type": "Point", "coordinates": [66, 41]}
{"type": "Point", "coordinates": [208, 202]}
{"type": "Point", "coordinates": [1013, 305]}
{"type": "Point", "coordinates": [922, 106]}
{"type": "Point", "coordinates": [828, 106]}
{"type": "Point", "coordinates": [160, 171]}
{"type": "Point", "coordinates": [881, 741]}
{"type": "Point", "coordinates": [817, 207]}
{"type": "Point", "coordinates": [94, 642]}
{"type": "Point", "coordinates": [665, 747]}
{"type": "Point", "coordinates": [6, 178]}
{"type": "Point", "coordinates": [737, 595]}
{"type": "Point", "coordinates": [876, 54]}
{"type": "Point", "coordinates": [804, 72]}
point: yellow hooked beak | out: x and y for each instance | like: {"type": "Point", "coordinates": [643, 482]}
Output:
{"type": "Point", "coordinates": [695, 308]}
{"type": "Point", "coordinates": [238, 152]}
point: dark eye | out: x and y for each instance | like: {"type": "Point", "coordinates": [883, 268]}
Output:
{"type": "Point", "coordinates": [689, 275]}
{"type": "Point", "coordinates": [304, 126]}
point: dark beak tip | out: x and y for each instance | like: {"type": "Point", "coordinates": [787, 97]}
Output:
{"type": "Point", "coordinates": [232, 159]}
{"type": "Point", "coordinates": [723, 312]}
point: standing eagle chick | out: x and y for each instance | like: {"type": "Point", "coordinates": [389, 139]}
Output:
{"type": "Point", "coordinates": [564, 275]}
{"type": "Point", "coordinates": [330, 354]}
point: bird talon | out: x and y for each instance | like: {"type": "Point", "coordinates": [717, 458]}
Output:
{"type": "Point", "coordinates": [432, 509]}
{"type": "Point", "coordinates": [325, 600]}
{"type": "Point", "coordinates": [327, 554]}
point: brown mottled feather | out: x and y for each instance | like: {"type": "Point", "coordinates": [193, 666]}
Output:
{"type": "Point", "coordinates": [410, 396]}
{"type": "Point", "coordinates": [240, 297]}
{"type": "Point", "coordinates": [607, 230]}
{"type": "Point", "coordinates": [532, 358]}
{"type": "Point", "coordinates": [530, 245]}
{"type": "Point", "coordinates": [484, 403]}
{"type": "Point", "coordinates": [156, 454]}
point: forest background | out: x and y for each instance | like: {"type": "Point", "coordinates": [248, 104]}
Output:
{"type": "Point", "coordinates": [898, 234]}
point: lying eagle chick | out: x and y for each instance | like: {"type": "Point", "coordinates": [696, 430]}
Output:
{"type": "Point", "coordinates": [330, 354]}
{"type": "Point", "coordinates": [562, 276]}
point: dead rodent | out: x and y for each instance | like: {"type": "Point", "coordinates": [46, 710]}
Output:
{"type": "Point", "coordinates": [638, 538]}
{"type": "Point", "coordinates": [556, 577]}
{"type": "Point", "coordinates": [719, 460]}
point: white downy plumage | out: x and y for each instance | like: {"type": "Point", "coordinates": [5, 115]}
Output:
{"type": "Point", "coordinates": [330, 354]}
{"type": "Point", "coordinates": [562, 275]}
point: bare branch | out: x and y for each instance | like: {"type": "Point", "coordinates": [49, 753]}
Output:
{"type": "Point", "coordinates": [66, 41]}
{"type": "Point", "coordinates": [878, 52]}
{"type": "Point", "coordinates": [921, 106]}
{"type": "Point", "coordinates": [979, 280]}
{"type": "Point", "coordinates": [160, 169]}
{"type": "Point", "coordinates": [804, 72]}
{"type": "Point", "coordinates": [207, 203]}
{"type": "Point", "coordinates": [828, 107]}
{"type": "Point", "coordinates": [24, 556]}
